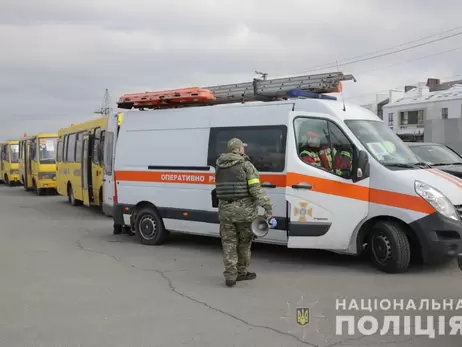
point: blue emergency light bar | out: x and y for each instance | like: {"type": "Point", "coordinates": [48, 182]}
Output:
{"type": "Point", "coordinates": [298, 93]}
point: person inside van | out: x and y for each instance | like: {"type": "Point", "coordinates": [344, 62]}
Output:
{"type": "Point", "coordinates": [310, 153]}
{"type": "Point", "coordinates": [321, 155]}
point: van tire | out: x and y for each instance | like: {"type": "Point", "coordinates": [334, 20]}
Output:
{"type": "Point", "coordinates": [149, 227]}
{"type": "Point", "coordinates": [389, 247]}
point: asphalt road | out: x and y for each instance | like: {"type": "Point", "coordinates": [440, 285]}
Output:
{"type": "Point", "coordinates": [67, 281]}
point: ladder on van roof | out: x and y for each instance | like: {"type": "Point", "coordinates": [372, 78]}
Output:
{"type": "Point", "coordinates": [307, 86]}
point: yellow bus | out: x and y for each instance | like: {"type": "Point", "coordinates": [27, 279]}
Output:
{"type": "Point", "coordinates": [2, 144]}
{"type": "Point", "coordinates": [9, 164]}
{"type": "Point", "coordinates": [79, 174]}
{"type": "Point", "coordinates": [37, 162]}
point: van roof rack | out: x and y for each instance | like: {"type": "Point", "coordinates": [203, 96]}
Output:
{"type": "Point", "coordinates": [305, 86]}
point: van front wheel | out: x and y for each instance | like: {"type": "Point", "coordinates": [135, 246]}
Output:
{"type": "Point", "coordinates": [149, 227]}
{"type": "Point", "coordinates": [389, 247]}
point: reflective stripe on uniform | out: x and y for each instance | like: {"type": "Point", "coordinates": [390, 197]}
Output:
{"type": "Point", "coordinates": [253, 181]}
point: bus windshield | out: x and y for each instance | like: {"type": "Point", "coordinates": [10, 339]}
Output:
{"type": "Point", "coordinates": [383, 144]}
{"type": "Point", "coordinates": [47, 150]}
{"type": "Point", "coordinates": [14, 153]}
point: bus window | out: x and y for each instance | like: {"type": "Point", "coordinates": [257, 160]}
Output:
{"type": "Point", "coordinates": [59, 153]}
{"type": "Point", "coordinates": [47, 150]}
{"type": "Point", "coordinates": [96, 144]}
{"type": "Point", "coordinates": [78, 147]}
{"type": "Point", "coordinates": [14, 153]}
{"type": "Point", "coordinates": [70, 153]}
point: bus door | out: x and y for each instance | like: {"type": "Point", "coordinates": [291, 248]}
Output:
{"type": "Point", "coordinates": [2, 148]}
{"type": "Point", "coordinates": [30, 155]}
{"type": "Point", "coordinates": [2, 159]}
{"type": "Point", "coordinates": [26, 164]}
{"type": "Point", "coordinates": [86, 172]}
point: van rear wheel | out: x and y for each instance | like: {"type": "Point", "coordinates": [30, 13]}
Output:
{"type": "Point", "coordinates": [389, 247]}
{"type": "Point", "coordinates": [149, 227]}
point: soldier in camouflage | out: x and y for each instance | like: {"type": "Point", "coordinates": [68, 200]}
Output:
{"type": "Point", "coordinates": [240, 194]}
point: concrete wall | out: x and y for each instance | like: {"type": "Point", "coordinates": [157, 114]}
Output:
{"type": "Point", "coordinates": [447, 131]}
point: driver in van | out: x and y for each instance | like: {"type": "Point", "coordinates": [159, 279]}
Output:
{"type": "Point", "coordinates": [321, 155]}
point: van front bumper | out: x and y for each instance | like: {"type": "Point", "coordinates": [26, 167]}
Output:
{"type": "Point", "coordinates": [440, 238]}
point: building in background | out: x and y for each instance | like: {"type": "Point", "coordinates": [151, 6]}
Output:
{"type": "Point", "coordinates": [382, 99]}
{"type": "Point", "coordinates": [407, 116]}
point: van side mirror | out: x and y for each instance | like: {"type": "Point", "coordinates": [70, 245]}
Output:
{"type": "Point", "coordinates": [361, 166]}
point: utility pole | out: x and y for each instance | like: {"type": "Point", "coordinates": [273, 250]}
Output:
{"type": "Point", "coordinates": [106, 108]}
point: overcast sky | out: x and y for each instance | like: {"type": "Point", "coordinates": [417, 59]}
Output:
{"type": "Point", "coordinates": [57, 57]}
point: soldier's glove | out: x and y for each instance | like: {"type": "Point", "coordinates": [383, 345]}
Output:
{"type": "Point", "coordinates": [268, 215]}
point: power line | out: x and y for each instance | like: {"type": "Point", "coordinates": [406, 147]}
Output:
{"type": "Point", "coordinates": [375, 54]}
{"type": "Point", "coordinates": [411, 60]}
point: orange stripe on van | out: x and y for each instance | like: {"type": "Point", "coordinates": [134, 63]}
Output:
{"type": "Point", "coordinates": [352, 191]}
{"type": "Point", "coordinates": [320, 185]}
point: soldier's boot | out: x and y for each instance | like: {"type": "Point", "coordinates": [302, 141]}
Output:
{"type": "Point", "coordinates": [230, 282]}
{"type": "Point", "coordinates": [247, 276]}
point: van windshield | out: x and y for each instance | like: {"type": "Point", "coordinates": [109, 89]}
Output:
{"type": "Point", "coordinates": [383, 144]}
{"type": "Point", "coordinates": [47, 150]}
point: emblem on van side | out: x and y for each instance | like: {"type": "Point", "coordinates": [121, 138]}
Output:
{"type": "Point", "coordinates": [303, 212]}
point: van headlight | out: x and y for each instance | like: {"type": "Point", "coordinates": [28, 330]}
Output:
{"type": "Point", "coordinates": [435, 198]}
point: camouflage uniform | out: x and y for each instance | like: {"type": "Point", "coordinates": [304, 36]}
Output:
{"type": "Point", "coordinates": [239, 193]}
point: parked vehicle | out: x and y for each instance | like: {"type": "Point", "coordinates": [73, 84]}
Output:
{"type": "Point", "coordinates": [37, 163]}
{"type": "Point", "coordinates": [388, 204]}
{"type": "Point", "coordinates": [9, 166]}
{"type": "Point", "coordinates": [438, 155]}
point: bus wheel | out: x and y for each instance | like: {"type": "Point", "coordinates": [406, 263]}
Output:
{"type": "Point", "coordinates": [389, 247]}
{"type": "Point", "coordinates": [100, 198]}
{"type": "Point", "coordinates": [149, 227]}
{"type": "Point", "coordinates": [70, 195]}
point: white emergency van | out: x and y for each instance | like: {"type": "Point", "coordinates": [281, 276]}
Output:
{"type": "Point", "coordinates": [389, 204]}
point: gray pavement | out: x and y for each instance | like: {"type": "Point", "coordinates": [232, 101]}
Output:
{"type": "Point", "coordinates": [67, 281]}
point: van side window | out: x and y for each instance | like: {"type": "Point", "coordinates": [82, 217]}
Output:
{"type": "Point", "coordinates": [266, 145]}
{"type": "Point", "coordinates": [322, 144]}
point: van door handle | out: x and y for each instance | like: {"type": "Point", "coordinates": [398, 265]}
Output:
{"type": "Point", "coordinates": [104, 180]}
{"type": "Point", "coordinates": [302, 186]}
{"type": "Point", "coordinates": [268, 185]}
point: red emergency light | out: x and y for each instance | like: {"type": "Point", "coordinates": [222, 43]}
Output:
{"type": "Point", "coordinates": [165, 98]}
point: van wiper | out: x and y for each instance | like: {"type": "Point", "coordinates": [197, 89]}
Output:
{"type": "Point", "coordinates": [420, 165]}
{"type": "Point", "coordinates": [444, 164]}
